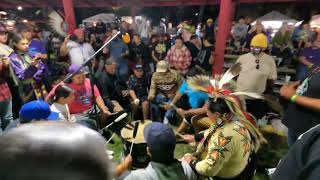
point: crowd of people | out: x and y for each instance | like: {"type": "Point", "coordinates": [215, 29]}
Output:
{"type": "Point", "coordinates": [164, 78]}
{"type": "Point", "coordinates": [288, 43]}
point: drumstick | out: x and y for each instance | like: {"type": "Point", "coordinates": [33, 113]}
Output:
{"type": "Point", "coordinates": [132, 146]}
{"type": "Point", "coordinates": [129, 128]}
{"type": "Point", "coordinates": [173, 106]}
{"type": "Point", "coordinates": [110, 138]}
{"type": "Point", "coordinates": [130, 125]}
{"type": "Point", "coordinates": [121, 117]}
{"type": "Point", "coordinates": [178, 134]}
{"type": "Point", "coordinates": [135, 130]}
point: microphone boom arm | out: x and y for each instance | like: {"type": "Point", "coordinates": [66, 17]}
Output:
{"type": "Point", "coordinates": [92, 56]}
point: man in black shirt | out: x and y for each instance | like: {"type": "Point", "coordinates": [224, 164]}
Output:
{"type": "Point", "coordinates": [113, 92]}
{"type": "Point", "coordinates": [204, 59]}
{"type": "Point", "coordinates": [304, 111]}
{"type": "Point", "coordinates": [302, 161]}
{"type": "Point", "coordinates": [140, 52]}
{"type": "Point", "coordinates": [138, 85]}
{"type": "Point", "coordinates": [191, 45]}
{"type": "Point", "coordinates": [160, 49]}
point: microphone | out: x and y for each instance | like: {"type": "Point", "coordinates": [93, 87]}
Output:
{"type": "Point", "coordinates": [121, 117]}
{"type": "Point", "coordinates": [125, 35]}
{"type": "Point", "coordinates": [126, 38]}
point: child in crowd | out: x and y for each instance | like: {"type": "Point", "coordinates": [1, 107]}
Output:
{"type": "Point", "coordinates": [62, 97]}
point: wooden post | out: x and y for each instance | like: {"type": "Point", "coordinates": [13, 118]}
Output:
{"type": "Point", "coordinates": [224, 27]}
{"type": "Point", "coordinates": [69, 15]}
{"type": "Point", "coordinates": [133, 12]}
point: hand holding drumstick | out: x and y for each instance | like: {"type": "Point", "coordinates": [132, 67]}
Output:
{"type": "Point", "coordinates": [123, 166]}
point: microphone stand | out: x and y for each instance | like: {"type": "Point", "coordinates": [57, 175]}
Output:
{"type": "Point", "coordinates": [88, 63]}
{"type": "Point", "coordinates": [92, 56]}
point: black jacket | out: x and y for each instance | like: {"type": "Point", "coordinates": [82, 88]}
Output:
{"type": "Point", "coordinates": [110, 88]}
{"type": "Point", "coordinates": [299, 118]}
{"type": "Point", "coordinates": [302, 161]}
{"type": "Point", "coordinates": [141, 51]}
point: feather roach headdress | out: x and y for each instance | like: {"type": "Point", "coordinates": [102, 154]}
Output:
{"type": "Point", "coordinates": [226, 89]}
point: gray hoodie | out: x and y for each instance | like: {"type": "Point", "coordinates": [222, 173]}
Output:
{"type": "Point", "coordinates": [158, 171]}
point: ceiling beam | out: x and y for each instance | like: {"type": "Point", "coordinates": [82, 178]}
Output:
{"type": "Point", "coordinates": [126, 3]}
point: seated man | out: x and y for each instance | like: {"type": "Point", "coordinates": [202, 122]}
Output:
{"type": "Point", "coordinates": [161, 143]}
{"type": "Point", "coordinates": [164, 84]}
{"type": "Point", "coordinates": [53, 151]}
{"type": "Point", "coordinates": [196, 101]}
{"type": "Point", "coordinates": [82, 105]}
{"type": "Point", "coordinates": [114, 93]}
{"type": "Point", "coordinates": [138, 88]}
{"type": "Point", "coordinates": [33, 111]}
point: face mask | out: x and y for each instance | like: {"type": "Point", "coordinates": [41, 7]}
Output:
{"type": "Point", "coordinates": [255, 51]}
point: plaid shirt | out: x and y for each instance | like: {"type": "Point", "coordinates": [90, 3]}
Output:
{"type": "Point", "coordinates": [4, 88]}
{"type": "Point", "coordinates": [4, 92]}
{"type": "Point", "coordinates": [179, 61]}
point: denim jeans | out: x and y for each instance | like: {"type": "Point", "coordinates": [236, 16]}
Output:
{"type": "Point", "coordinates": [86, 121]}
{"type": "Point", "coordinates": [301, 72]}
{"type": "Point", "coordinates": [5, 113]}
{"type": "Point", "coordinates": [292, 137]}
{"type": "Point", "coordinates": [123, 70]}
{"type": "Point", "coordinates": [157, 113]}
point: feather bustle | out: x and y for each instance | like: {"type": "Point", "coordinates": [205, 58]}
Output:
{"type": "Point", "coordinates": [56, 22]}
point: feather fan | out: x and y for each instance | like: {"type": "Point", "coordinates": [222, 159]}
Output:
{"type": "Point", "coordinates": [57, 23]}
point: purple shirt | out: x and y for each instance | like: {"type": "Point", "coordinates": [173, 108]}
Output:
{"type": "Point", "coordinates": [311, 54]}
{"type": "Point", "coordinates": [36, 47]}
{"type": "Point", "coordinates": [25, 72]}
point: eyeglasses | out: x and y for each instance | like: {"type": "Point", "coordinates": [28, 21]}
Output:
{"type": "Point", "coordinates": [257, 64]}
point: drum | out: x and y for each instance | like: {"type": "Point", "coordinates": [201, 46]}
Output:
{"type": "Point", "coordinates": [139, 149]}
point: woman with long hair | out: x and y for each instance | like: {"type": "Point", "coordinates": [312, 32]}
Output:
{"type": "Point", "coordinates": [29, 71]}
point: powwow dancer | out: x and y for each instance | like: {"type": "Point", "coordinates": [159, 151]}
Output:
{"type": "Point", "coordinates": [232, 138]}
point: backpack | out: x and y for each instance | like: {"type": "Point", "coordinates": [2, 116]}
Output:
{"type": "Point", "coordinates": [200, 57]}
